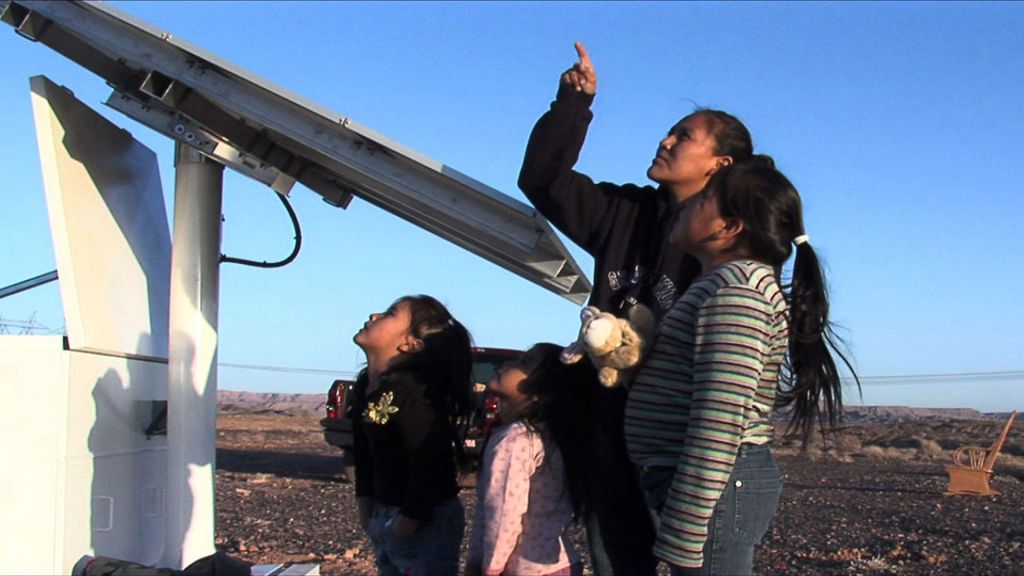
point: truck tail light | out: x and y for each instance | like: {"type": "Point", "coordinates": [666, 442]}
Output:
{"type": "Point", "coordinates": [490, 409]}
{"type": "Point", "coordinates": [335, 398]}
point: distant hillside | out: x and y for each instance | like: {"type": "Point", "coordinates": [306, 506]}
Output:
{"type": "Point", "coordinates": [231, 401]}
{"type": "Point", "coordinates": [898, 413]}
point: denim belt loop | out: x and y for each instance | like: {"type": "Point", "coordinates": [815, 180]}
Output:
{"type": "Point", "coordinates": [746, 449]}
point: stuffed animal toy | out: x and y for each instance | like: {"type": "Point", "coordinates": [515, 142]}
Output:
{"type": "Point", "coordinates": [615, 345]}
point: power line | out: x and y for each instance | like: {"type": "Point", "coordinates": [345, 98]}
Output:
{"type": "Point", "coordinates": [27, 327]}
{"type": "Point", "coordinates": [889, 380]}
{"type": "Point", "coordinates": [1002, 376]}
{"type": "Point", "coordinates": [1009, 376]}
{"type": "Point", "coordinates": [288, 369]}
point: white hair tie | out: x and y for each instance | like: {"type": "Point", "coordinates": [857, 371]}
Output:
{"type": "Point", "coordinates": [801, 239]}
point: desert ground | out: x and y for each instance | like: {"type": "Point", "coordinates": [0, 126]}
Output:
{"type": "Point", "coordinates": [873, 503]}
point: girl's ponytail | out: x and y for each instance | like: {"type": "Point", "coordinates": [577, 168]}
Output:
{"type": "Point", "coordinates": [810, 383]}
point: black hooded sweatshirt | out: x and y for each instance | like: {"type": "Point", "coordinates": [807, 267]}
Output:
{"type": "Point", "coordinates": [624, 227]}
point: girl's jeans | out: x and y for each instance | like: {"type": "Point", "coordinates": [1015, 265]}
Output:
{"type": "Point", "coordinates": [432, 549]}
{"type": "Point", "coordinates": [742, 514]}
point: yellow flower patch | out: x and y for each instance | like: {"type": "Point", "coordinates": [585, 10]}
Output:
{"type": "Point", "coordinates": [381, 412]}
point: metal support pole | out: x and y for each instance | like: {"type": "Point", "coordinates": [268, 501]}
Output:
{"type": "Point", "coordinates": [27, 284]}
{"type": "Point", "coordinates": [192, 357]}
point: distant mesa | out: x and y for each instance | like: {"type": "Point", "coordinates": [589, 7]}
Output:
{"type": "Point", "coordinates": [882, 414]}
{"type": "Point", "coordinates": [313, 404]}
{"type": "Point", "coordinates": [232, 401]}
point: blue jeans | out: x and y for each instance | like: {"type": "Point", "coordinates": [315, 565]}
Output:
{"type": "Point", "coordinates": [433, 549]}
{"type": "Point", "coordinates": [742, 514]}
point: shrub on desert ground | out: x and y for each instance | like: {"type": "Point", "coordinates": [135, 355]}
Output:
{"type": "Point", "coordinates": [920, 439]}
{"type": "Point", "coordinates": [835, 446]}
{"type": "Point", "coordinates": [1010, 465]}
{"type": "Point", "coordinates": [913, 448]}
{"type": "Point", "coordinates": [874, 451]}
{"type": "Point", "coordinates": [1014, 446]}
{"type": "Point", "coordinates": [847, 444]}
{"type": "Point", "coordinates": [928, 448]}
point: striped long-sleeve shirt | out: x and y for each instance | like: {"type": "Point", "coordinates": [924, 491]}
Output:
{"type": "Point", "coordinates": [707, 387]}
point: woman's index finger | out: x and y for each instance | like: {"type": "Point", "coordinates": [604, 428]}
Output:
{"type": "Point", "coordinates": [584, 57]}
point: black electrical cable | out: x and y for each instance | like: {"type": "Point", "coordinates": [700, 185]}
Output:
{"type": "Point", "coordinates": [278, 264]}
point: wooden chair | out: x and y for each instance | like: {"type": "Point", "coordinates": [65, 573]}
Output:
{"type": "Point", "coordinates": [972, 466]}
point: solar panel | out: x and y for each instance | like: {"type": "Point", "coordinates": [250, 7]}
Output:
{"type": "Point", "coordinates": [279, 138]}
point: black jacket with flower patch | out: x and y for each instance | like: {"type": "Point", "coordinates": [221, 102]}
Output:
{"type": "Point", "coordinates": [404, 446]}
{"type": "Point", "coordinates": [624, 227]}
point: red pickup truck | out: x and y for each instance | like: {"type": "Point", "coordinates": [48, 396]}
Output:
{"type": "Point", "coordinates": [337, 424]}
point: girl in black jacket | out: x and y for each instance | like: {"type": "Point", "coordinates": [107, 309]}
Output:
{"type": "Point", "coordinates": [408, 400]}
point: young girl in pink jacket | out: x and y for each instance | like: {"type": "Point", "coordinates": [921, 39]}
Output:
{"type": "Point", "coordinates": [532, 484]}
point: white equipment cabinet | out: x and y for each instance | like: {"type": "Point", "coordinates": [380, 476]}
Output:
{"type": "Point", "coordinates": [83, 477]}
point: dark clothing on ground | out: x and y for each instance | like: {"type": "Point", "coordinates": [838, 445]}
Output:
{"type": "Point", "coordinates": [625, 228]}
{"type": "Point", "coordinates": [404, 446]}
{"type": "Point", "coordinates": [217, 564]}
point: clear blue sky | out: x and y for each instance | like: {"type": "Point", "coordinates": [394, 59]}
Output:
{"type": "Point", "coordinates": [900, 123]}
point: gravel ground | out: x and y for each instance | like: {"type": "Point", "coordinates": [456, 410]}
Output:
{"type": "Point", "coordinates": [282, 497]}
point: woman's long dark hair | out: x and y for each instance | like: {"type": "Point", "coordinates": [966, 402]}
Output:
{"type": "Point", "coordinates": [769, 206]}
{"type": "Point", "coordinates": [731, 137]}
{"type": "Point", "coordinates": [444, 363]}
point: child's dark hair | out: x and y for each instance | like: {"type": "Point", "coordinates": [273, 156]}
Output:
{"type": "Point", "coordinates": [769, 206]}
{"type": "Point", "coordinates": [445, 362]}
{"type": "Point", "coordinates": [561, 406]}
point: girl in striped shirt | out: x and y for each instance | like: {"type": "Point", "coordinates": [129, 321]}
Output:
{"type": "Point", "coordinates": [733, 347]}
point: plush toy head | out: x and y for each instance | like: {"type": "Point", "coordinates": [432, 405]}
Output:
{"type": "Point", "coordinates": [614, 345]}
